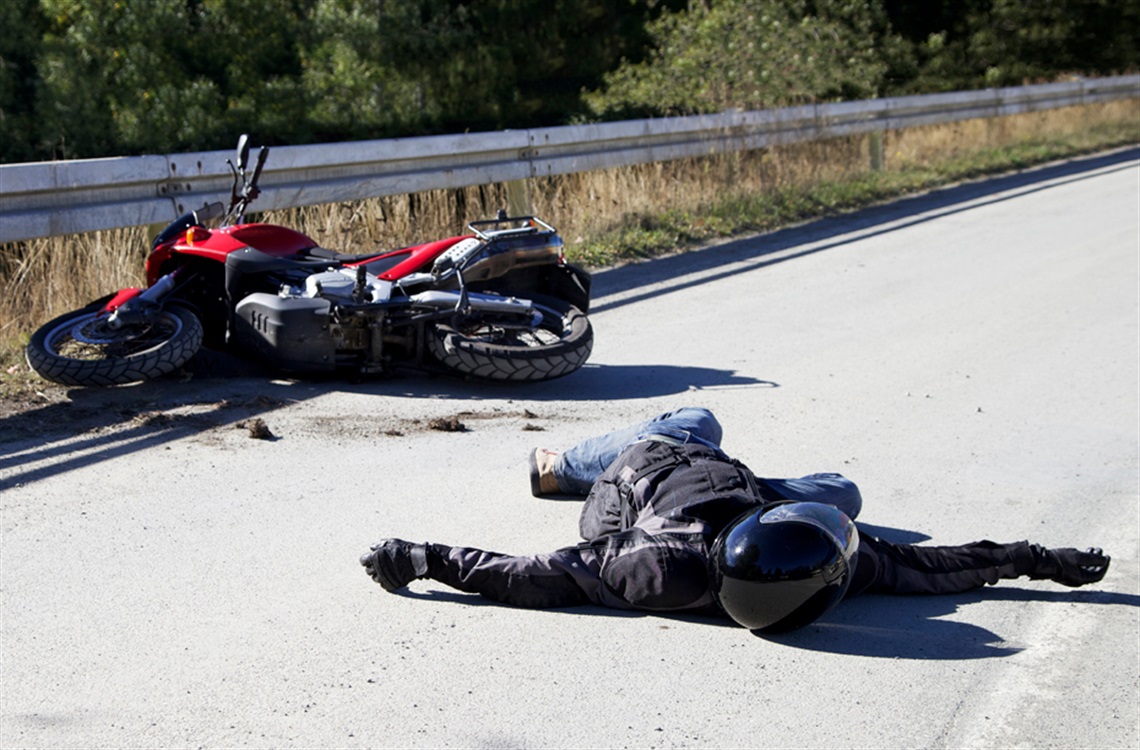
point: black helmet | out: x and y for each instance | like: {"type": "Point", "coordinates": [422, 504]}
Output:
{"type": "Point", "coordinates": [780, 567]}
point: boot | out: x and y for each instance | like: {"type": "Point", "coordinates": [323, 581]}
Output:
{"type": "Point", "coordinates": [542, 481]}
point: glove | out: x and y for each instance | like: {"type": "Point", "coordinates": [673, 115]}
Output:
{"type": "Point", "coordinates": [394, 563]}
{"type": "Point", "coordinates": [1071, 567]}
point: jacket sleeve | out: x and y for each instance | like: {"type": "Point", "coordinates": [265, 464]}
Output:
{"type": "Point", "coordinates": [558, 579]}
{"type": "Point", "coordinates": [887, 568]}
{"type": "Point", "coordinates": [630, 570]}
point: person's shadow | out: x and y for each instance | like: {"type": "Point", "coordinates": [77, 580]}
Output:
{"type": "Point", "coordinates": [881, 626]}
{"type": "Point", "coordinates": [908, 627]}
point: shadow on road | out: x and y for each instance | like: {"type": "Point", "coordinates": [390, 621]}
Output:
{"type": "Point", "coordinates": [879, 626]}
{"type": "Point", "coordinates": [591, 383]}
{"type": "Point", "coordinates": [909, 627]}
{"type": "Point", "coordinates": [99, 424]}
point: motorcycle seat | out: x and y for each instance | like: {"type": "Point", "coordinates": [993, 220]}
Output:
{"type": "Point", "coordinates": [323, 253]}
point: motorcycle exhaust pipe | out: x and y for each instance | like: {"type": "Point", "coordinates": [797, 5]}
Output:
{"type": "Point", "coordinates": [448, 300]}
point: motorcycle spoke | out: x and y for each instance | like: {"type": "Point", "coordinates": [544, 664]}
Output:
{"type": "Point", "coordinates": [554, 343]}
{"type": "Point", "coordinates": [512, 336]}
{"type": "Point", "coordinates": [92, 341]}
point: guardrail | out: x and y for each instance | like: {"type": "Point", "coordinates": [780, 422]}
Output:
{"type": "Point", "coordinates": [52, 198]}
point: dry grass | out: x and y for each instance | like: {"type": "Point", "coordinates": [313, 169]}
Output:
{"type": "Point", "coordinates": [604, 216]}
{"type": "Point", "coordinates": [43, 278]}
{"type": "Point", "coordinates": [582, 206]}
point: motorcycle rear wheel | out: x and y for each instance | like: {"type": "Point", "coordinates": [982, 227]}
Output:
{"type": "Point", "coordinates": [79, 348]}
{"type": "Point", "coordinates": [558, 346]}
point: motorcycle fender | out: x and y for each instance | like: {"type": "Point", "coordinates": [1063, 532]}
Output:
{"type": "Point", "coordinates": [121, 298]}
{"type": "Point", "coordinates": [571, 283]}
{"type": "Point", "coordinates": [291, 333]}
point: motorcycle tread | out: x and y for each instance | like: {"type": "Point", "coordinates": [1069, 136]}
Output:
{"type": "Point", "coordinates": [119, 370]}
{"type": "Point", "coordinates": [512, 363]}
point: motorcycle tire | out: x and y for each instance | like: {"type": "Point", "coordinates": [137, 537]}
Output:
{"type": "Point", "coordinates": [558, 346]}
{"type": "Point", "coordinates": [79, 349]}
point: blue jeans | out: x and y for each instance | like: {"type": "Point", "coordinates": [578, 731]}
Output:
{"type": "Point", "coordinates": [577, 468]}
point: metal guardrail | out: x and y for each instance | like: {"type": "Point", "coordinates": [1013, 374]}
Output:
{"type": "Point", "coordinates": [52, 198]}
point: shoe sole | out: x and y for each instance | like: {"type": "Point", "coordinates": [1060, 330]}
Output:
{"type": "Point", "coordinates": [535, 480]}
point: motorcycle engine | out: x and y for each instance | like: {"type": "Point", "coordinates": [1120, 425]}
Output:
{"type": "Point", "coordinates": [342, 286]}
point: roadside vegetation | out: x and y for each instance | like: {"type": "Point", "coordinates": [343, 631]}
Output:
{"type": "Point", "coordinates": [122, 77]}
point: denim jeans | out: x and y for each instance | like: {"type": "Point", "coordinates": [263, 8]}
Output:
{"type": "Point", "coordinates": [577, 468]}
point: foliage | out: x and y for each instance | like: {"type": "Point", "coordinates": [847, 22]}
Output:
{"type": "Point", "coordinates": [84, 78]}
{"type": "Point", "coordinates": [967, 43]}
{"type": "Point", "coordinates": [22, 28]}
{"type": "Point", "coordinates": [88, 78]}
{"type": "Point", "coordinates": [751, 54]}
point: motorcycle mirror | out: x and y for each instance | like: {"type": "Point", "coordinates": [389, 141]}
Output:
{"type": "Point", "coordinates": [262, 154]}
{"type": "Point", "coordinates": [210, 211]}
{"type": "Point", "coordinates": [242, 152]}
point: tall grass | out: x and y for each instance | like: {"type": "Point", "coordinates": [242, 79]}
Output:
{"type": "Point", "coordinates": [607, 216]}
{"type": "Point", "coordinates": [46, 277]}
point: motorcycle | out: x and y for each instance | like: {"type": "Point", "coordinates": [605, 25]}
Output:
{"type": "Point", "coordinates": [499, 303]}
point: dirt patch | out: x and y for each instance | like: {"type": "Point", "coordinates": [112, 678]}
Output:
{"type": "Point", "coordinates": [34, 408]}
{"type": "Point", "coordinates": [447, 424]}
{"type": "Point", "coordinates": [216, 389]}
{"type": "Point", "coordinates": [51, 405]}
{"type": "Point", "coordinates": [21, 391]}
{"type": "Point", "coordinates": [257, 428]}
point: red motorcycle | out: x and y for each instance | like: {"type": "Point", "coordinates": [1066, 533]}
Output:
{"type": "Point", "coordinates": [499, 303]}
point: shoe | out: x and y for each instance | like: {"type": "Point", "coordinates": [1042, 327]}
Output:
{"type": "Point", "coordinates": [542, 481]}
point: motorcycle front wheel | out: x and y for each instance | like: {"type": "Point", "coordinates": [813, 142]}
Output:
{"type": "Point", "coordinates": [79, 348]}
{"type": "Point", "coordinates": [557, 346]}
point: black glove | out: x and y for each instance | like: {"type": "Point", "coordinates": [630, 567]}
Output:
{"type": "Point", "coordinates": [394, 563]}
{"type": "Point", "coordinates": [1071, 567]}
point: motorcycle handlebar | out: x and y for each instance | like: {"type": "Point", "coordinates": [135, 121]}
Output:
{"type": "Point", "coordinates": [262, 155]}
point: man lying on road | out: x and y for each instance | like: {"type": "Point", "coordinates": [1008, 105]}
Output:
{"type": "Point", "coordinates": [672, 524]}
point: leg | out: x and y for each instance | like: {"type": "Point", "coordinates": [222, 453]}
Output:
{"type": "Point", "coordinates": [577, 468]}
{"type": "Point", "coordinates": [832, 489]}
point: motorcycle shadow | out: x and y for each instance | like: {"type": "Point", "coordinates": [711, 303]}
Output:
{"type": "Point", "coordinates": [82, 426]}
{"type": "Point", "coordinates": [590, 383]}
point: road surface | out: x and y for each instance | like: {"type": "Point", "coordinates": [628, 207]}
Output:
{"type": "Point", "coordinates": [969, 357]}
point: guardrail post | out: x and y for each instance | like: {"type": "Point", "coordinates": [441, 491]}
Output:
{"type": "Point", "coordinates": [875, 142]}
{"type": "Point", "coordinates": [518, 198]}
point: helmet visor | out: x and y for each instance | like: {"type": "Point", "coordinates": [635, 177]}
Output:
{"type": "Point", "coordinates": [826, 518]}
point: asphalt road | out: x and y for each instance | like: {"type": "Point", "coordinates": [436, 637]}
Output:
{"type": "Point", "coordinates": [969, 357]}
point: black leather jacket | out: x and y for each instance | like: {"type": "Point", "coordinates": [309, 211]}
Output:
{"type": "Point", "coordinates": [648, 525]}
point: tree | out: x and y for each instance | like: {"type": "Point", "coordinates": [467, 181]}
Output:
{"type": "Point", "coordinates": [23, 27]}
{"type": "Point", "coordinates": [83, 78]}
{"type": "Point", "coordinates": [975, 43]}
{"type": "Point", "coordinates": [749, 54]}
{"type": "Point", "coordinates": [114, 79]}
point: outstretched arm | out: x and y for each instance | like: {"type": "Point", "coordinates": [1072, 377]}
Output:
{"type": "Point", "coordinates": [631, 570]}
{"type": "Point", "coordinates": [888, 568]}
{"type": "Point", "coordinates": [541, 581]}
